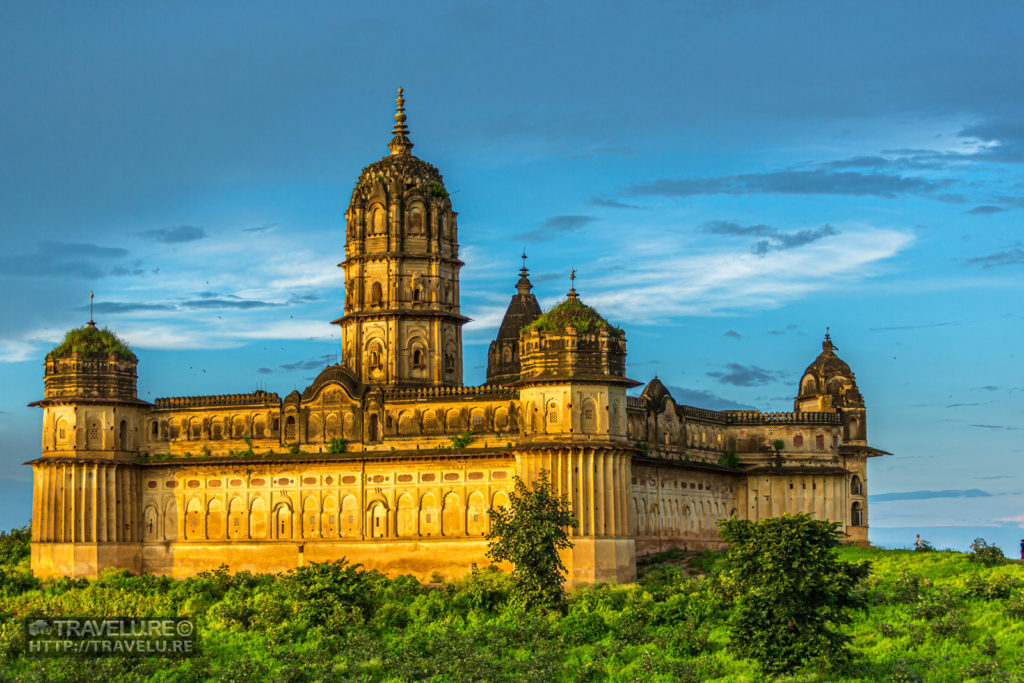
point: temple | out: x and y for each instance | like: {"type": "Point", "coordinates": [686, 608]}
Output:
{"type": "Point", "coordinates": [389, 460]}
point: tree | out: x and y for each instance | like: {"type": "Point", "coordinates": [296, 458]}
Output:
{"type": "Point", "coordinates": [529, 533]}
{"type": "Point", "coordinates": [986, 554]}
{"type": "Point", "coordinates": [790, 591]}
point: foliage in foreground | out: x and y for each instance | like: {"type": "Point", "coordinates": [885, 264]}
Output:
{"type": "Point", "coordinates": [790, 592]}
{"type": "Point", "coordinates": [529, 533]}
{"type": "Point", "coordinates": [931, 617]}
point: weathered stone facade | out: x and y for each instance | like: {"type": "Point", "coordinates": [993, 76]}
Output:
{"type": "Point", "coordinates": [388, 460]}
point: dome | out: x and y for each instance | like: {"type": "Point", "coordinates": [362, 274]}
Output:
{"type": "Point", "coordinates": [399, 172]}
{"type": "Point", "coordinates": [829, 374]}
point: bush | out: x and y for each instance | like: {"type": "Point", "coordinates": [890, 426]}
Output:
{"type": "Point", "coordinates": [337, 445]}
{"type": "Point", "coordinates": [985, 554]}
{"type": "Point", "coordinates": [15, 545]}
{"type": "Point", "coordinates": [529, 533]}
{"type": "Point", "coordinates": [789, 591]}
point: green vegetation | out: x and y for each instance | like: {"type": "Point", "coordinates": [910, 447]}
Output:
{"type": "Point", "coordinates": [336, 445]}
{"type": "Point", "coordinates": [729, 459]}
{"type": "Point", "coordinates": [989, 555]}
{"type": "Point", "coordinates": [789, 591]}
{"type": "Point", "coordinates": [92, 342]}
{"type": "Point", "coordinates": [437, 190]}
{"type": "Point", "coordinates": [934, 616]}
{"type": "Point", "coordinates": [570, 312]}
{"type": "Point", "coordinates": [529, 534]}
{"type": "Point", "coordinates": [462, 440]}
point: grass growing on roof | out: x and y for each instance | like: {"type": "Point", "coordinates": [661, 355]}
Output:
{"type": "Point", "coordinates": [93, 342]}
{"type": "Point", "coordinates": [571, 312]}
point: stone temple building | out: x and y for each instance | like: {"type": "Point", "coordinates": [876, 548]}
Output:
{"type": "Point", "coordinates": [389, 460]}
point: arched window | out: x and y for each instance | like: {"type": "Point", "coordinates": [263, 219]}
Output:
{"type": "Point", "coordinates": [122, 435]}
{"type": "Point", "coordinates": [289, 428]}
{"type": "Point", "coordinates": [374, 431]}
{"type": "Point", "coordinates": [154, 429]}
{"type": "Point", "coordinates": [417, 358]}
{"type": "Point", "coordinates": [856, 515]}
{"type": "Point", "coordinates": [819, 442]}
{"type": "Point", "coordinates": [415, 293]}
{"type": "Point", "coordinates": [374, 359]}
{"type": "Point", "coordinates": [835, 441]}
{"type": "Point", "coordinates": [376, 294]}
{"type": "Point", "coordinates": [798, 441]}
{"type": "Point", "coordinates": [856, 487]}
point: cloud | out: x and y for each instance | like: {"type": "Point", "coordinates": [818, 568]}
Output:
{"type": "Point", "coordinates": [265, 371]}
{"type": "Point", "coordinates": [984, 426]}
{"type": "Point", "coordinates": [927, 495]}
{"type": "Point", "coordinates": [732, 333]}
{"type": "Point", "coordinates": [243, 304]}
{"type": "Point", "coordinates": [554, 227]}
{"type": "Point", "coordinates": [745, 375]}
{"type": "Point", "coordinates": [126, 307]}
{"type": "Point", "coordinates": [312, 364]}
{"type": "Point", "coordinates": [611, 203]}
{"type": "Point", "coordinates": [795, 182]}
{"type": "Point", "coordinates": [985, 210]}
{"type": "Point", "coordinates": [261, 228]}
{"type": "Point", "coordinates": [913, 327]}
{"type": "Point", "coordinates": [773, 238]}
{"type": "Point", "coordinates": [1011, 257]}
{"type": "Point", "coordinates": [1016, 519]}
{"type": "Point", "coordinates": [63, 259]}
{"type": "Point", "coordinates": [176, 235]}
{"type": "Point", "coordinates": [701, 398]}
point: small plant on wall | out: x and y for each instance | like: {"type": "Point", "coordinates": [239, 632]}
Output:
{"type": "Point", "coordinates": [462, 440]}
{"type": "Point", "coordinates": [337, 445]}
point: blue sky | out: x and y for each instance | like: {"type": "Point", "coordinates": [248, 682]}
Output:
{"type": "Point", "coordinates": [727, 178]}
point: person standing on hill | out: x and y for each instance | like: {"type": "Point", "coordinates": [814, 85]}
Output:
{"type": "Point", "coordinates": [917, 543]}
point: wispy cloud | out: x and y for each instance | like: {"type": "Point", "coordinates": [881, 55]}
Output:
{"type": "Point", "coordinates": [773, 239]}
{"type": "Point", "coordinates": [985, 210]}
{"type": "Point", "coordinates": [745, 375]}
{"type": "Point", "coordinates": [792, 182]}
{"type": "Point", "coordinates": [609, 203]}
{"type": "Point", "coordinates": [927, 495]}
{"type": "Point", "coordinates": [732, 333]}
{"type": "Point", "coordinates": [82, 260]}
{"type": "Point", "coordinates": [555, 227]}
{"type": "Point", "coordinates": [705, 399]}
{"type": "Point", "coordinates": [175, 235]}
{"type": "Point", "coordinates": [1010, 257]}
{"type": "Point", "coordinates": [913, 327]}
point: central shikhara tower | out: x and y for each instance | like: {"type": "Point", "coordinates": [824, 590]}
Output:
{"type": "Point", "coordinates": [389, 460]}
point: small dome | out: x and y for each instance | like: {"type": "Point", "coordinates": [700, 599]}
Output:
{"type": "Point", "coordinates": [824, 374]}
{"type": "Point", "coordinates": [91, 342]}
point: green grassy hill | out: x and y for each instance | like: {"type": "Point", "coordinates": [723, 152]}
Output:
{"type": "Point", "coordinates": [933, 616]}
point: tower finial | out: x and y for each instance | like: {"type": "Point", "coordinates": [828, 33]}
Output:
{"type": "Point", "coordinates": [524, 285]}
{"type": "Point", "coordinates": [400, 143]}
{"type": "Point", "coordinates": [91, 322]}
{"type": "Point", "coordinates": [572, 285]}
{"type": "Point", "coordinates": [827, 344]}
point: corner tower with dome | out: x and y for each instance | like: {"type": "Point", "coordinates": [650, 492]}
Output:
{"type": "Point", "coordinates": [389, 460]}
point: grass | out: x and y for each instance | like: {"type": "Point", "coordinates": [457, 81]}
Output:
{"type": "Point", "coordinates": [931, 617]}
{"type": "Point", "coordinates": [92, 342]}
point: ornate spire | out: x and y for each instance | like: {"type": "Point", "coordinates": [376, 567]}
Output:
{"type": "Point", "coordinates": [524, 285]}
{"type": "Point", "coordinates": [572, 286]}
{"type": "Point", "coordinates": [400, 144]}
{"type": "Point", "coordinates": [92, 323]}
{"type": "Point", "coordinates": [827, 346]}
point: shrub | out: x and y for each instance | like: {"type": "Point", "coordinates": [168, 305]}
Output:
{"type": "Point", "coordinates": [337, 445]}
{"type": "Point", "coordinates": [462, 440]}
{"type": "Point", "coordinates": [529, 533]}
{"type": "Point", "coordinates": [15, 545]}
{"type": "Point", "coordinates": [789, 590]}
{"type": "Point", "coordinates": [985, 554]}
{"type": "Point", "coordinates": [729, 459]}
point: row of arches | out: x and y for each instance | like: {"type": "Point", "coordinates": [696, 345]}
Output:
{"type": "Point", "coordinates": [65, 436]}
{"type": "Point", "coordinates": [217, 427]}
{"type": "Point", "coordinates": [678, 518]}
{"type": "Point", "coordinates": [419, 221]}
{"type": "Point", "coordinates": [429, 515]}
